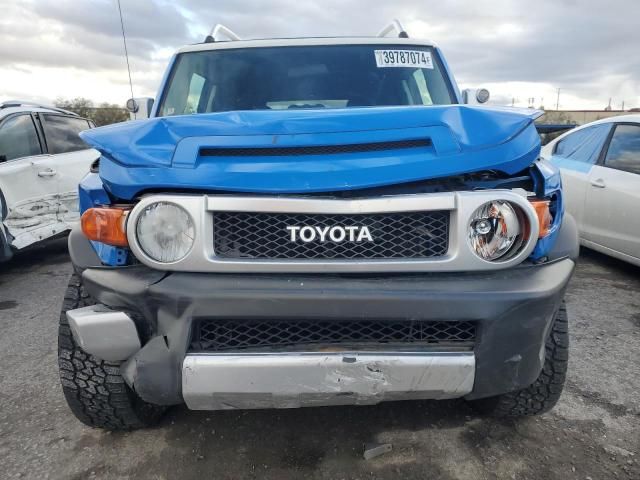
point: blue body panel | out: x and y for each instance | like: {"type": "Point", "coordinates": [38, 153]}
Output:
{"type": "Point", "coordinates": [551, 176]}
{"type": "Point", "coordinates": [91, 193]}
{"type": "Point", "coordinates": [163, 153]}
{"type": "Point", "coordinates": [548, 181]}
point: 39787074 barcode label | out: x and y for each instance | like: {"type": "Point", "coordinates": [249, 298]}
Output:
{"type": "Point", "coordinates": [403, 58]}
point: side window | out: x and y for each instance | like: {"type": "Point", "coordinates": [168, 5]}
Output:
{"type": "Point", "coordinates": [624, 149]}
{"type": "Point", "coordinates": [584, 145]}
{"type": "Point", "coordinates": [62, 132]}
{"type": "Point", "coordinates": [18, 138]}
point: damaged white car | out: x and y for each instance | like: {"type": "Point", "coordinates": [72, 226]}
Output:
{"type": "Point", "coordinates": [42, 160]}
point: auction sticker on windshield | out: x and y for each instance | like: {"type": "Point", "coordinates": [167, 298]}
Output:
{"type": "Point", "coordinates": [403, 58]}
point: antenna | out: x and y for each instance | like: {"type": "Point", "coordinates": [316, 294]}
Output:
{"type": "Point", "coordinates": [218, 30]}
{"type": "Point", "coordinates": [126, 53]}
{"type": "Point", "coordinates": [394, 25]}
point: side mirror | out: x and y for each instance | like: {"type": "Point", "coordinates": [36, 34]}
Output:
{"type": "Point", "coordinates": [139, 107]}
{"type": "Point", "coordinates": [132, 105]}
{"type": "Point", "coordinates": [472, 96]}
{"type": "Point", "coordinates": [482, 95]}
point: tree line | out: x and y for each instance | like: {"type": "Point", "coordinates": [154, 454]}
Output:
{"type": "Point", "coordinates": [102, 114]}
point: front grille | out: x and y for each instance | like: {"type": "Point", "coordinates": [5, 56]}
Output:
{"type": "Point", "coordinates": [394, 235]}
{"type": "Point", "coordinates": [217, 335]}
{"type": "Point", "coordinates": [313, 149]}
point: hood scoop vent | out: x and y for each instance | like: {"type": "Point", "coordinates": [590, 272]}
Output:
{"type": "Point", "coordinates": [313, 149]}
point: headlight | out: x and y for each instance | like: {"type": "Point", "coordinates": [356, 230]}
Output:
{"type": "Point", "coordinates": [165, 232]}
{"type": "Point", "coordinates": [496, 230]}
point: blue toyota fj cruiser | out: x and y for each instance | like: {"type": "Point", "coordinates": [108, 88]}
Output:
{"type": "Point", "coordinates": [315, 221]}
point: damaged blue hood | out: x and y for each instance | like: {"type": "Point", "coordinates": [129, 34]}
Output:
{"type": "Point", "coordinates": [297, 151]}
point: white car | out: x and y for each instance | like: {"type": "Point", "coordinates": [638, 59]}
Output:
{"type": "Point", "coordinates": [42, 160]}
{"type": "Point", "coordinates": [600, 165]}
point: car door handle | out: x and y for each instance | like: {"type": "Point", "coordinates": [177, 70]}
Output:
{"type": "Point", "coordinates": [598, 183]}
{"type": "Point", "coordinates": [49, 172]}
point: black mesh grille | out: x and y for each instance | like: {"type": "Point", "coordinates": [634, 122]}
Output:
{"type": "Point", "coordinates": [213, 335]}
{"type": "Point", "coordinates": [394, 235]}
{"type": "Point", "coordinates": [313, 149]}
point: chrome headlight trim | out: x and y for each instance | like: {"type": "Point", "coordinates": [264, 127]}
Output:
{"type": "Point", "coordinates": [154, 209]}
{"type": "Point", "coordinates": [497, 230]}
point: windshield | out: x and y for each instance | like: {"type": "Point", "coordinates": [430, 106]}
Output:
{"type": "Point", "coordinates": [336, 76]}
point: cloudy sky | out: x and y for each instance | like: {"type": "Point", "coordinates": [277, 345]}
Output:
{"type": "Point", "coordinates": [518, 49]}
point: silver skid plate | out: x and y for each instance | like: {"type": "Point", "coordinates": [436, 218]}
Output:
{"type": "Point", "coordinates": [291, 380]}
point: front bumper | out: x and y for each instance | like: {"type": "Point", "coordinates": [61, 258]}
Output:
{"type": "Point", "coordinates": [291, 380]}
{"type": "Point", "coordinates": [512, 308]}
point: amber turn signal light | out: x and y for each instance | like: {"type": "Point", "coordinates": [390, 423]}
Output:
{"type": "Point", "coordinates": [106, 225]}
{"type": "Point", "coordinates": [544, 216]}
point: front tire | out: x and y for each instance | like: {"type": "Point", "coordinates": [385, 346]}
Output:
{"type": "Point", "coordinates": [544, 393]}
{"type": "Point", "coordinates": [94, 389]}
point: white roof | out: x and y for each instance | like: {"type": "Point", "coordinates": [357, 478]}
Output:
{"type": "Point", "coordinates": [290, 42]}
{"type": "Point", "coordinates": [634, 118]}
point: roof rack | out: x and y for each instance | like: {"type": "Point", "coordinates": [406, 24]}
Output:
{"type": "Point", "coordinates": [394, 25]}
{"type": "Point", "coordinates": [22, 103]}
{"type": "Point", "coordinates": [219, 30]}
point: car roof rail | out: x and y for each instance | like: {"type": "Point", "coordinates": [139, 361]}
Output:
{"type": "Point", "coordinates": [394, 25]}
{"type": "Point", "coordinates": [22, 103]}
{"type": "Point", "coordinates": [218, 31]}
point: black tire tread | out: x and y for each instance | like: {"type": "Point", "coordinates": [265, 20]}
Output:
{"type": "Point", "coordinates": [544, 393]}
{"type": "Point", "coordinates": [94, 389]}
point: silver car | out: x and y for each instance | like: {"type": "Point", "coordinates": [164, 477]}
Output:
{"type": "Point", "coordinates": [600, 165]}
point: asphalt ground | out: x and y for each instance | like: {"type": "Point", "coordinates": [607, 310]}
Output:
{"type": "Point", "coordinates": [593, 433]}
